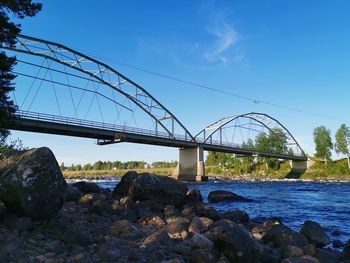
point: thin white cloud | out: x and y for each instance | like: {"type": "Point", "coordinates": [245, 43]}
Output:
{"type": "Point", "coordinates": [226, 37]}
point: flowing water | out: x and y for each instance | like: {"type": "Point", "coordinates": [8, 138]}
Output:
{"type": "Point", "coordinates": [327, 203]}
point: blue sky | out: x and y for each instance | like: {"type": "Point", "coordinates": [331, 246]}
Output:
{"type": "Point", "coordinates": [292, 53]}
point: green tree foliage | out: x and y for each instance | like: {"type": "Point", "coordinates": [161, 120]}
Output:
{"type": "Point", "coordinates": [323, 142]}
{"type": "Point", "coordinates": [164, 164]}
{"type": "Point", "coordinates": [275, 142]}
{"type": "Point", "coordinates": [10, 147]}
{"type": "Point", "coordinates": [99, 165]}
{"type": "Point", "coordinates": [342, 141]}
{"type": "Point", "coordinates": [8, 31]}
{"type": "Point", "coordinates": [219, 159]}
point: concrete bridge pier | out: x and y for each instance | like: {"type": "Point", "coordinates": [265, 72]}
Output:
{"type": "Point", "coordinates": [299, 166]}
{"type": "Point", "coordinates": [191, 165]}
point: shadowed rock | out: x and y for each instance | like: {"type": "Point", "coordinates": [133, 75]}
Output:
{"type": "Point", "coordinates": [142, 187]}
{"type": "Point", "coordinates": [31, 184]}
{"type": "Point", "coordinates": [281, 235]}
{"type": "Point", "coordinates": [87, 187]}
{"type": "Point", "coordinates": [224, 196]}
{"type": "Point", "coordinates": [315, 233]}
{"type": "Point", "coordinates": [234, 242]}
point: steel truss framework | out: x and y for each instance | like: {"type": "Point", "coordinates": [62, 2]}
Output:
{"type": "Point", "coordinates": [260, 119]}
{"type": "Point", "coordinates": [165, 122]}
{"type": "Point", "coordinates": [106, 75]}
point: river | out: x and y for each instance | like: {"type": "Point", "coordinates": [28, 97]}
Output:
{"type": "Point", "coordinates": [327, 203]}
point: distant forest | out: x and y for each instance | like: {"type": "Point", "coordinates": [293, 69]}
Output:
{"type": "Point", "coordinates": [117, 165]}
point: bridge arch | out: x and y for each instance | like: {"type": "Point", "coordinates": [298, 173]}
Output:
{"type": "Point", "coordinates": [100, 73]}
{"type": "Point", "coordinates": [256, 124]}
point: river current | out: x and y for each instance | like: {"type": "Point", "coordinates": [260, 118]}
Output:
{"type": "Point", "coordinates": [327, 203]}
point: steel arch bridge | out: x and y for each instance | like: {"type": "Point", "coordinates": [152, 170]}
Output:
{"type": "Point", "coordinates": [62, 91]}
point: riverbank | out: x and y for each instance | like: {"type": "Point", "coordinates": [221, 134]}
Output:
{"type": "Point", "coordinates": [143, 218]}
{"type": "Point", "coordinates": [336, 171]}
{"type": "Point", "coordinates": [162, 221]}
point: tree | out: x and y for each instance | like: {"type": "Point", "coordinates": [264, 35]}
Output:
{"type": "Point", "coordinates": [323, 142]}
{"type": "Point", "coordinates": [8, 32]}
{"type": "Point", "coordinates": [274, 142]}
{"type": "Point", "coordinates": [342, 141]}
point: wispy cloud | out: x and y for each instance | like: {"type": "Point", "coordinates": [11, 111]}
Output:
{"type": "Point", "coordinates": [225, 36]}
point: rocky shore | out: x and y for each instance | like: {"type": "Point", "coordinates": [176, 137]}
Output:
{"type": "Point", "coordinates": [146, 218]}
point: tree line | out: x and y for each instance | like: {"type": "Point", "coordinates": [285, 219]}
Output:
{"type": "Point", "coordinates": [324, 143]}
{"type": "Point", "coordinates": [117, 165]}
{"type": "Point", "coordinates": [276, 141]}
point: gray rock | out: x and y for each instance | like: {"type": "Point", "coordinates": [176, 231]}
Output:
{"type": "Point", "coordinates": [109, 254]}
{"type": "Point", "coordinates": [125, 229]}
{"type": "Point", "coordinates": [290, 251]}
{"type": "Point", "coordinates": [31, 184]}
{"type": "Point", "coordinates": [265, 226]}
{"type": "Point", "coordinates": [281, 235]}
{"type": "Point", "coordinates": [73, 193]}
{"type": "Point", "coordinates": [200, 241]}
{"type": "Point", "coordinates": [325, 256]}
{"type": "Point", "coordinates": [76, 236]}
{"type": "Point", "coordinates": [182, 249]}
{"type": "Point", "coordinates": [159, 237]}
{"type": "Point", "coordinates": [309, 249]}
{"type": "Point", "coordinates": [24, 224]}
{"type": "Point", "coordinates": [193, 196]}
{"type": "Point", "coordinates": [147, 208]}
{"type": "Point", "coordinates": [170, 210]}
{"type": "Point", "coordinates": [345, 255]}
{"type": "Point", "coordinates": [178, 229]}
{"type": "Point", "coordinates": [87, 187]}
{"type": "Point", "coordinates": [315, 233]}
{"type": "Point", "coordinates": [152, 220]}
{"type": "Point", "coordinates": [199, 224]}
{"type": "Point", "coordinates": [144, 186]}
{"type": "Point", "coordinates": [90, 198]}
{"type": "Point", "coordinates": [221, 196]}
{"type": "Point", "coordinates": [271, 255]}
{"type": "Point", "coordinates": [123, 187]}
{"type": "Point", "coordinates": [223, 259]}
{"type": "Point", "coordinates": [234, 242]}
{"type": "Point", "coordinates": [205, 210]}
{"type": "Point", "coordinates": [304, 259]}
{"type": "Point", "coordinates": [237, 216]}
{"type": "Point", "coordinates": [204, 255]}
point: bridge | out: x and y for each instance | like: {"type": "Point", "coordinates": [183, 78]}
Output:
{"type": "Point", "coordinates": [62, 91]}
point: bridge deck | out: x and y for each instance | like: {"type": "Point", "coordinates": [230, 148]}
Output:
{"type": "Point", "coordinates": [107, 133]}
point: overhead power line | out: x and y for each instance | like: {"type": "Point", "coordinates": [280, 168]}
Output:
{"type": "Point", "coordinates": [221, 91]}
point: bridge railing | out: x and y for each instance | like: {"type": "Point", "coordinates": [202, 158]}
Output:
{"type": "Point", "coordinates": [239, 146]}
{"type": "Point", "coordinates": [98, 125]}
{"type": "Point", "coordinates": [126, 129]}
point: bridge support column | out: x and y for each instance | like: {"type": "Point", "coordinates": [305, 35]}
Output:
{"type": "Point", "coordinates": [299, 166]}
{"type": "Point", "coordinates": [191, 165]}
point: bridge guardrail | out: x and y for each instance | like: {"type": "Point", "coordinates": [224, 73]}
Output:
{"type": "Point", "coordinates": [94, 124]}
{"type": "Point", "coordinates": [121, 128]}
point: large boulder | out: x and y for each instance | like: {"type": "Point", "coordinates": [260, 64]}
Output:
{"type": "Point", "coordinates": [123, 187]}
{"type": "Point", "coordinates": [234, 242]}
{"type": "Point", "coordinates": [224, 196]}
{"type": "Point", "coordinates": [87, 187]}
{"type": "Point", "coordinates": [31, 184]}
{"type": "Point", "coordinates": [315, 233]}
{"type": "Point", "coordinates": [73, 193]}
{"type": "Point", "coordinates": [345, 255]}
{"type": "Point", "coordinates": [281, 235]}
{"type": "Point", "coordinates": [144, 186]}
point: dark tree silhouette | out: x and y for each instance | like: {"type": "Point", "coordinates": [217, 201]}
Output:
{"type": "Point", "coordinates": [8, 32]}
